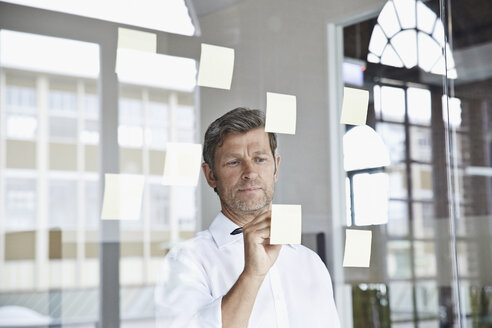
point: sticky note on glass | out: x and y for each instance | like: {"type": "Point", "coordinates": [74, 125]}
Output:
{"type": "Point", "coordinates": [182, 164]}
{"type": "Point", "coordinates": [354, 109]}
{"type": "Point", "coordinates": [122, 196]}
{"type": "Point", "coordinates": [216, 67]}
{"type": "Point", "coordinates": [280, 113]}
{"type": "Point", "coordinates": [286, 224]}
{"type": "Point", "coordinates": [357, 248]}
{"type": "Point", "coordinates": [137, 40]}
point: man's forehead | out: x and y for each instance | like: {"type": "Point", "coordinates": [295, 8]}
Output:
{"type": "Point", "coordinates": [255, 140]}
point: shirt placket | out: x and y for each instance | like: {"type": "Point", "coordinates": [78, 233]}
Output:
{"type": "Point", "coordinates": [279, 299]}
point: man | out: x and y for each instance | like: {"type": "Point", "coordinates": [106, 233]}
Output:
{"type": "Point", "coordinates": [218, 279]}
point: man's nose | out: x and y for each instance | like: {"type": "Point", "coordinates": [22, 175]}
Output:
{"type": "Point", "coordinates": [249, 171]}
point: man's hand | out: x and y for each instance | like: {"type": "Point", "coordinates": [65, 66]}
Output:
{"type": "Point", "coordinates": [259, 255]}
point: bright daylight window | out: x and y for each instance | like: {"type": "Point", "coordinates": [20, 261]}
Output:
{"type": "Point", "coordinates": [171, 16]}
{"type": "Point", "coordinates": [409, 34]}
{"type": "Point", "coordinates": [365, 156]}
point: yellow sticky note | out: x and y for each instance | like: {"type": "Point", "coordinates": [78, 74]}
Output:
{"type": "Point", "coordinates": [357, 248]}
{"type": "Point", "coordinates": [280, 113]}
{"type": "Point", "coordinates": [182, 164]}
{"type": "Point", "coordinates": [354, 109]}
{"type": "Point", "coordinates": [137, 40]}
{"type": "Point", "coordinates": [122, 196]}
{"type": "Point", "coordinates": [216, 67]}
{"type": "Point", "coordinates": [286, 225]}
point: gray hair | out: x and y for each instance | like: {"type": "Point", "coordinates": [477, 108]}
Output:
{"type": "Point", "coordinates": [237, 121]}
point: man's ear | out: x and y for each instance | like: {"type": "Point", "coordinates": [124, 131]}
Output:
{"type": "Point", "coordinates": [277, 164]}
{"type": "Point", "coordinates": [209, 175]}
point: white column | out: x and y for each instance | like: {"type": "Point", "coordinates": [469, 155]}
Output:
{"type": "Point", "coordinates": [146, 196]}
{"type": "Point", "coordinates": [80, 225]}
{"type": "Point", "coordinates": [343, 296]}
{"type": "Point", "coordinates": [173, 214]}
{"type": "Point", "coordinates": [41, 269]}
{"type": "Point", "coordinates": [2, 179]}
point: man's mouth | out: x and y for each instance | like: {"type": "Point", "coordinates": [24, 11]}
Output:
{"type": "Point", "coordinates": [249, 189]}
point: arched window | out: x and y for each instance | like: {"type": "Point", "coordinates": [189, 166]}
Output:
{"type": "Point", "coordinates": [409, 34]}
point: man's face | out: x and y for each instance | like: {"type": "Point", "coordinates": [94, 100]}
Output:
{"type": "Point", "coordinates": [244, 171]}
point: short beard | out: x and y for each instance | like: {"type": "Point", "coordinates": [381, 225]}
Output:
{"type": "Point", "coordinates": [245, 207]}
{"type": "Point", "coordinates": [236, 205]}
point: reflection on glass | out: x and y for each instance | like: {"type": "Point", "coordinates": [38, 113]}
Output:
{"type": "Point", "coordinates": [425, 259]}
{"type": "Point", "coordinates": [61, 102]}
{"type": "Point", "coordinates": [424, 220]}
{"type": "Point", "coordinates": [400, 297]}
{"type": "Point", "coordinates": [422, 181]}
{"type": "Point", "coordinates": [419, 106]}
{"type": "Point", "coordinates": [427, 297]}
{"type": "Point", "coordinates": [371, 198]}
{"type": "Point", "coordinates": [63, 128]}
{"type": "Point", "coordinates": [397, 181]}
{"type": "Point", "coordinates": [393, 104]}
{"type": "Point", "coordinates": [63, 207]}
{"type": "Point", "coordinates": [22, 126]}
{"type": "Point", "coordinates": [393, 136]}
{"type": "Point", "coordinates": [421, 144]}
{"type": "Point", "coordinates": [403, 43]}
{"type": "Point", "coordinates": [397, 218]}
{"type": "Point", "coordinates": [20, 203]}
{"type": "Point", "coordinates": [399, 265]}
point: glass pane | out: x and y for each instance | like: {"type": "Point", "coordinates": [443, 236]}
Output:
{"type": "Point", "coordinates": [393, 104]}
{"type": "Point", "coordinates": [21, 126]}
{"type": "Point", "coordinates": [21, 203]}
{"type": "Point", "coordinates": [371, 198]}
{"type": "Point", "coordinates": [393, 136]}
{"type": "Point", "coordinates": [398, 181]}
{"type": "Point", "coordinates": [421, 144]}
{"type": "Point", "coordinates": [63, 128]}
{"type": "Point", "coordinates": [419, 106]}
{"type": "Point", "coordinates": [398, 260]}
{"type": "Point", "coordinates": [63, 204]}
{"type": "Point", "coordinates": [422, 181]}
{"type": "Point", "coordinates": [397, 218]}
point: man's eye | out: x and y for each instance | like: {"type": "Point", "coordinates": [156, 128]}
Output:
{"type": "Point", "coordinates": [261, 160]}
{"type": "Point", "coordinates": [232, 163]}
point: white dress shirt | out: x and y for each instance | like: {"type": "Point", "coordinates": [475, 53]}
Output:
{"type": "Point", "coordinates": [296, 292]}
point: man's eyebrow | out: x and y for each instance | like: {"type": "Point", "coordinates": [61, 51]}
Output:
{"type": "Point", "coordinates": [261, 152]}
{"type": "Point", "coordinates": [231, 155]}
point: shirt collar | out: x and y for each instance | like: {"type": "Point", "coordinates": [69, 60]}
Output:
{"type": "Point", "coordinates": [221, 229]}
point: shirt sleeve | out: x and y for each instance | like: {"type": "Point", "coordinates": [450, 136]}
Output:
{"type": "Point", "coordinates": [183, 297]}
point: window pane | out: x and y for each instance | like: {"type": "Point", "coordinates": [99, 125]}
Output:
{"type": "Point", "coordinates": [393, 104]}
{"type": "Point", "coordinates": [62, 101]}
{"type": "Point", "coordinates": [20, 203]}
{"type": "Point", "coordinates": [22, 126]}
{"type": "Point", "coordinates": [421, 144]}
{"type": "Point", "coordinates": [398, 181]}
{"type": "Point", "coordinates": [371, 198]}
{"type": "Point", "coordinates": [159, 206]}
{"type": "Point", "coordinates": [399, 265]}
{"type": "Point", "coordinates": [422, 181]}
{"type": "Point", "coordinates": [63, 203]}
{"type": "Point", "coordinates": [419, 106]}
{"type": "Point", "coordinates": [63, 128]}
{"type": "Point", "coordinates": [18, 98]}
{"type": "Point", "coordinates": [397, 218]}
{"type": "Point", "coordinates": [425, 259]}
{"type": "Point", "coordinates": [393, 136]}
